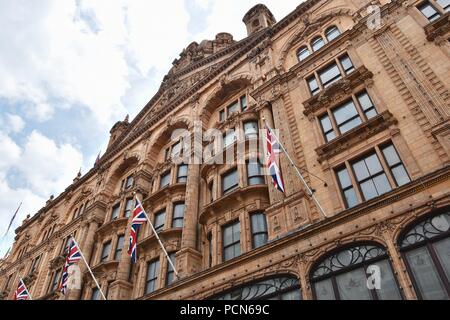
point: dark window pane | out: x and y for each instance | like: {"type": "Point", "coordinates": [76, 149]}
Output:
{"type": "Point", "coordinates": [222, 116]}
{"type": "Point", "coordinates": [95, 294]}
{"type": "Point", "coordinates": [233, 108]}
{"type": "Point", "coordinates": [259, 229]}
{"type": "Point", "coordinates": [106, 251]}
{"type": "Point", "coordinates": [152, 276]}
{"type": "Point", "coordinates": [231, 241]}
{"type": "Point", "coordinates": [330, 75]}
{"type": "Point", "coordinates": [178, 215]}
{"type": "Point", "coordinates": [243, 103]}
{"type": "Point", "coordinates": [347, 64]}
{"type": "Point", "coordinates": [129, 207]}
{"type": "Point", "coordinates": [317, 43]}
{"type": "Point", "coordinates": [442, 249]}
{"type": "Point", "coordinates": [345, 112]}
{"type": "Point", "coordinates": [255, 173]}
{"type": "Point", "coordinates": [170, 277]}
{"type": "Point", "coordinates": [332, 33]}
{"type": "Point", "coordinates": [129, 182]}
{"type": "Point", "coordinates": [230, 181]}
{"type": "Point", "coordinates": [303, 53]}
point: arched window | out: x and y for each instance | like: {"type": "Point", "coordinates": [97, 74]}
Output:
{"type": "Point", "coordinates": [276, 288]}
{"type": "Point", "coordinates": [426, 250]}
{"type": "Point", "coordinates": [332, 33]}
{"type": "Point", "coordinates": [351, 274]}
{"type": "Point", "coordinates": [317, 43]}
{"type": "Point", "coordinates": [303, 53]}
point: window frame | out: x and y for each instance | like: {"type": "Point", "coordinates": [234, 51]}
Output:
{"type": "Point", "coordinates": [437, 7]}
{"type": "Point", "coordinates": [167, 174]}
{"type": "Point", "coordinates": [232, 244]}
{"type": "Point", "coordinates": [170, 272]}
{"type": "Point", "coordinates": [119, 248]}
{"type": "Point", "coordinates": [104, 257]}
{"type": "Point", "coordinates": [181, 218]}
{"type": "Point", "coordinates": [242, 105]}
{"type": "Point", "coordinates": [234, 186]}
{"type": "Point", "coordinates": [115, 208]}
{"type": "Point", "coordinates": [159, 228]}
{"type": "Point", "coordinates": [257, 233]}
{"type": "Point", "coordinates": [261, 177]}
{"type": "Point", "coordinates": [154, 277]}
{"type": "Point", "coordinates": [180, 178]}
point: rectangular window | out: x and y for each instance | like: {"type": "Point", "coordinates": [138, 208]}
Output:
{"type": "Point", "coordinates": [222, 115]}
{"type": "Point", "coordinates": [445, 4]}
{"type": "Point", "coordinates": [429, 11]}
{"type": "Point", "coordinates": [211, 191]}
{"type": "Point", "coordinates": [95, 294]}
{"type": "Point", "coordinates": [210, 249]}
{"type": "Point", "coordinates": [251, 130]}
{"type": "Point", "coordinates": [55, 280]}
{"type": "Point", "coordinates": [260, 234]}
{"type": "Point", "coordinates": [371, 177]}
{"type": "Point", "coordinates": [170, 276]}
{"type": "Point", "coordinates": [367, 105]}
{"type": "Point", "coordinates": [243, 101]}
{"type": "Point", "coordinates": [347, 117]}
{"type": "Point", "coordinates": [165, 180]}
{"type": "Point", "coordinates": [167, 154]}
{"type": "Point", "coordinates": [152, 277]}
{"type": "Point", "coordinates": [231, 241]}
{"type": "Point", "coordinates": [105, 251]}
{"type": "Point", "coordinates": [347, 189]}
{"type": "Point", "coordinates": [346, 64]}
{"type": "Point", "coordinates": [327, 127]}
{"type": "Point", "coordinates": [176, 149]}
{"type": "Point", "coordinates": [119, 247]}
{"type": "Point", "coordinates": [115, 212]}
{"type": "Point", "coordinates": [129, 182]}
{"type": "Point", "coordinates": [178, 215]}
{"type": "Point", "coordinates": [230, 181]}
{"type": "Point", "coordinates": [313, 85]}
{"type": "Point", "coordinates": [182, 173]}
{"type": "Point", "coordinates": [160, 220]}
{"type": "Point", "coordinates": [255, 173]}
{"type": "Point", "coordinates": [395, 165]}
{"type": "Point", "coordinates": [129, 207]}
{"type": "Point", "coordinates": [233, 108]}
{"type": "Point", "coordinates": [330, 75]}
{"type": "Point", "coordinates": [229, 138]}
{"type": "Point", "coordinates": [35, 264]}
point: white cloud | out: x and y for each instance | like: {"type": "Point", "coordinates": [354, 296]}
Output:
{"type": "Point", "coordinates": [11, 123]}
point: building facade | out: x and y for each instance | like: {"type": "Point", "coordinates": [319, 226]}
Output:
{"type": "Point", "coordinates": [358, 91]}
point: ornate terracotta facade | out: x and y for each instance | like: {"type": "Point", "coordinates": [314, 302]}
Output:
{"type": "Point", "coordinates": [402, 65]}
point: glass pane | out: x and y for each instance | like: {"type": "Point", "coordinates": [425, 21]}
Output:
{"type": "Point", "coordinates": [244, 103]}
{"type": "Point", "coordinates": [256, 181]}
{"type": "Point", "coordinates": [106, 250]}
{"type": "Point", "coordinates": [95, 294]}
{"type": "Point", "coordinates": [229, 138]}
{"type": "Point", "coordinates": [303, 53]}
{"type": "Point", "coordinates": [230, 180]}
{"type": "Point", "coordinates": [227, 235]}
{"type": "Point", "coordinates": [183, 171]}
{"type": "Point", "coordinates": [371, 113]}
{"type": "Point", "coordinates": [369, 190]}
{"type": "Point", "coordinates": [236, 232]}
{"type": "Point", "coordinates": [445, 4]}
{"type": "Point", "coordinates": [178, 210]}
{"type": "Point", "coordinates": [251, 129]}
{"type": "Point", "coordinates": [254, 169]}
{"type": "Point", "coordinates": [259, 223]}
{"type": "Point", "coordinates": [382, 184]}
{"type": "Point", "coordinates": [313, 85]}
{"type": "Point", "coordinates": [330, 136]}
{"type": "Point", "coordinates": [332, 33]}
{"type": "Point", "coordinates": [160, 220]}
{"type": "Point", "coordinates": [365, 101]}
{"type": "Point", "coordinates": [165, 180]}
{"type": "Point", "coordinates": [350, 125]}
{"type": "Point", "coordinates": [347, 64]}
{"type": "Point", "coordinates": [326, 123]}
{"type": "Point", "coordinates": [317, 43]}
{"type": "Point", "coordinates": [351, 198]}
{"type": "Point", "coordinates": [228, 253]}
{"type": "Point", "coordinates": [361, 170]}
{"type": "Point", "coordinates": [344, 178]}
{"type": "Point", "coordinates": [115, 212]}
{"type": "Point", "coordinates": [330, 75]}
{"type": "Point", "coordinates": [259, 240]}
{"type": "Point", "coordinates": [353, 285]}
{"type": "Point", "coordinates": [237, 249]}
{"type": "Point", "coordinates": [425, 275]}
{"type": "Point", "coordinates": [429, 11]}
{"type": "Point", "coordinates": [293, 295]}
{"type": "Point", "coordinates": [373, 164]}
{"type": "Point", "coordinates": [443, 252]}
{"type": "Point", "coordinates": [222, 115]}
{"type": "Point", "coordinates": [324, 290]}
{"type": "Point", "coordinates": [345, 112]}
{"type": "Point", "coordinates": [388, 286]}
{"type": "Point", "coordinates": [400, 175]}
{"type": "Point", "coordinates": [233, 108]}
{"type": "Point", "coordinates": [391, 155]}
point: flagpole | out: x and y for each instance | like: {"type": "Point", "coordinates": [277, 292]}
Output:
{"type": "Point", "coordinates": [89, 268]}
{"type": "Point", "coordinates": [157, 237]}
{"type": "Point", "coordinates": [310, 192]}
{"type": "Point", "coordinates": [28, 291]}
{"type": "Point", "coordinates": [11, 222]}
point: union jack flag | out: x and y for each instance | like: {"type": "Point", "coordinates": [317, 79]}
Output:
{"type": "Point", "coordinates": [273, 148]}
{"type": "Point", "coordinates": [73, 256]}
{"type": "Point", "coordinates": [139, 218]}
{"type": "Point", "coordinates": [21, 293]}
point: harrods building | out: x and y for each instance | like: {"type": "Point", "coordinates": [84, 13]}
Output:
{"type": "Point", "coordinates": [359, 93]}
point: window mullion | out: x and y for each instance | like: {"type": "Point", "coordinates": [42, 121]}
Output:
{"type": "Point", "coordinates": [386, 168]}
{"type": "Point", "coordinates": [355, 183]}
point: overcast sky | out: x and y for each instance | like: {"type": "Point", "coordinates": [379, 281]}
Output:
{"type": "Point", "coordinates": [69, 69]}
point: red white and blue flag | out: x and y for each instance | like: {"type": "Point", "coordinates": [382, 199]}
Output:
{"type": "Point", "coordinates": [139, 218]}
{"type": "Point", "coordinates": [73, 256]}
{"type": "Point", "coordinates": [21, 293]}
{"type": "Point", "coordinates": [273, 148]}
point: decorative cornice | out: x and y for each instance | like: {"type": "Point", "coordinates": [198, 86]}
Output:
{"type": "Point", "coordinates": [438, 28]}
{"type": "Point", "coordinates": [361, 133]}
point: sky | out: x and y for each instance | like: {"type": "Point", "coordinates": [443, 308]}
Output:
{"type": "Point", "coordinates": [70, 69]}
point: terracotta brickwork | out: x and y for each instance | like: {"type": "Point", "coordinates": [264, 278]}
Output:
{"type": "Point", "coordinates": [403, 65]}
